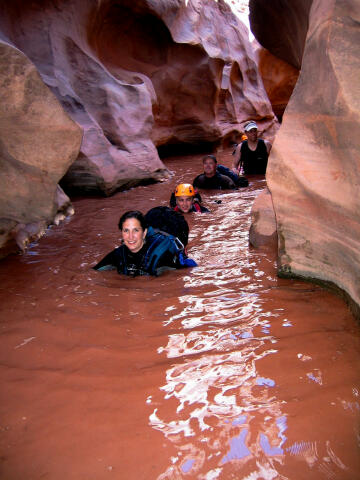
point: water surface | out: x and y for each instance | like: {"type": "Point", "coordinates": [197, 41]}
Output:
{"type": "Point", "coordinates": [219, 372]}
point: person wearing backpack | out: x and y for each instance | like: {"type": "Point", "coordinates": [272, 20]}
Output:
{"type": "Point", "coordinates": [144, 250]}
{"type": "Point", "coordinates": [218, 177]}
{"type": "Point", "coordinates": [185, 199]}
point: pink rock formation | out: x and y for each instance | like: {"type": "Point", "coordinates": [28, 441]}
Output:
{"type": "Point", "coordinates": [263, 229]}
{"type": "Point", "coordinates": [38, 142]}
{"type": "Point", "coordinates": [281, 26]}
{"type": "Point", "coordinates": [279, 79]}
{"type": "Point", "coordinates": [314, 167]}
{"type": "Point", "coordinates": [135, 74]}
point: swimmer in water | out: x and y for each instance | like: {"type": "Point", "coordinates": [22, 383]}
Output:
{"type": "Point", "coordinates": [144, 250]}
{"type": "Point", "coordinates": [186, 200]}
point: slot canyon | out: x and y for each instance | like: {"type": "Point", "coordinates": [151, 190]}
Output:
{"type": "Point", "coordinates": [245, 366]}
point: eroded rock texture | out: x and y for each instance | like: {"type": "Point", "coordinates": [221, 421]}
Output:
{"type": "Point", "coordinates": [281, 27]}
{"type": "Point", "coordinates": [140, 74]}
{"type": "Point", "coordinates": [279, 79]}
{"type": "Point", "coordinates": [38, 142]}
{"type": "Point", "coordinates": [314, 168]}
{"type": "Point", "coordinates": [263, 229]}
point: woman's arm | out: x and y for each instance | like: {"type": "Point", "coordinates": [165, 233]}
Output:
{"type": "Point", "coordinates": [107, 263]}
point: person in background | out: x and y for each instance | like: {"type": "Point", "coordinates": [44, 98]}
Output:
{"type": "Point", "coordinates": [186, 200]}
{"type": "Point", "coordinates": [144, 251]}
{"type": "Point", "coordinates": [211, 179]}
{"type": "Point", "coordinates": [251, 156]}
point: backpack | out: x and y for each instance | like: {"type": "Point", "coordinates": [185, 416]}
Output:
{"type": "Point", "coordinates": [167, 220]}
{"type": "Point", "coordinates": [239, 181]}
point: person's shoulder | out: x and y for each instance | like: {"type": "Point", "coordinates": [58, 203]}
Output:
{"type": "Point", "coordinates": [200, 179]}
{"type": "Point", "coordinates": [200, 176]}
{"type": "Point", "coordinates": [204, 209]}
{"type": "Point", "coordinates": [267, 143]}
{"type": "Point", "coordinates": [226, 181]}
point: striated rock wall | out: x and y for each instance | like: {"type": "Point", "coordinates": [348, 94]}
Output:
{"type": "Point", "coordinates": [281, 27]}
{"type": "Point", "coordinates": [115, 114]}
{"type": "Point", "coordinates": [139, 75]}
{"type": "Point", "coordinates": [314, 168]}
{"type": "Point", "coordinates": [38, 142]}
{"type": "Point", "coordinates": [279, 79]}
{"type": "Point", "coordinates": [134, 75]}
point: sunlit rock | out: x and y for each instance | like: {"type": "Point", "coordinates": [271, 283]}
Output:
{"type": "Point", "coordinates": [314, 167]}
{"type": "Point", "coordinates": [263, 230]}
{"type": "Point", "coordinates": [38, 142]}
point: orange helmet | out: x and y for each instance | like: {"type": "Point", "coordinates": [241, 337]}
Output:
{"type": "Point", "coordinates": [243, 137]}
{"type": "Point", "coordinates": [184, 190]}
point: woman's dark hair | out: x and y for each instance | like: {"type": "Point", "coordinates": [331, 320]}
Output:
{"type": "Point", "coordinates": [133, 214]}
{"type": "Point", "coordinates": [213, 158]}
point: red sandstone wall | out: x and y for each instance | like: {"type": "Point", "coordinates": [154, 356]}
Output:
{"type": "Point", "coordinates": [314, 167]}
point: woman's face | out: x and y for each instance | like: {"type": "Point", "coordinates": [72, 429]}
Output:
{"type": "Point", "coordinates": [133, 234]}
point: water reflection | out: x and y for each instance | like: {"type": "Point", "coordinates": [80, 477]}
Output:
{"type": "Point", "coordinates": [216, 386]}
{"type": "Point", "coordinates": [216, 406]}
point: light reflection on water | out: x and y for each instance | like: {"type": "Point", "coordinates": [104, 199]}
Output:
{"type": "Point", "coordinates": [226, 415]}
{"type": "Point", "coordinates": [215, 381]}
{"type": "Point", "coordinates": [240, 374]}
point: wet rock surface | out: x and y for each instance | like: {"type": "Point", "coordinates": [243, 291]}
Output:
{"type": "Point", "coordinates": [139, 75]}
{"type": "Point", "coordinates": [279, 79]}
{"type": "Point", "coordinates": [38, 143]}
{"type": "Point", "coordinates": [313, 172]}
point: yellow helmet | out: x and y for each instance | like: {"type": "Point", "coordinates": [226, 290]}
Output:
{"type": "Point", "coordinates": [184, 190]}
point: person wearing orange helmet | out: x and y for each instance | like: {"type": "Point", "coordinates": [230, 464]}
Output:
{"type": "Point", "coordinates": [186, 200]}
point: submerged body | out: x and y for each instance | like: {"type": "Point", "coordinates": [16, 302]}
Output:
{"type": "Point", "coordinates": [217, 372]}
{"type": "Point", "coordinates": [159, 252]}
{"type": "Point", "coordinates": [145, 251]}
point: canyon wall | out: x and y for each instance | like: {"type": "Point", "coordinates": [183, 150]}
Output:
{"type": "Point", "coordinates": [314, 167]}
{"type": "Point", "coordinates": [33, 153]}
{"type": "Point", "coordinates": [136, 77]}
{"type": "Point", "coordinates": [279, 78]}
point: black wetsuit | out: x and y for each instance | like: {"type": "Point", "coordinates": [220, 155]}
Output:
{"type": "Point", "coordinates": [196, 207]}
{"type": "Point", "coordinates": [124, 261]}
{"type": "Point", "coordinates": [254, 161]}
{"type": "Point", "coordinates": [143, 262]}
{"type": "Point", "coordinates": [217, 182]}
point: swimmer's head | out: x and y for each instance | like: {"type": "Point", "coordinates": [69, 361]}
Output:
{"type": "Point", "coordinates": [250, 126]}
{"type": "Point", "coordinates": [133, 230]}
{"type": "Point", "coordinates": [184, 190]}
{"type": "Point", "coordinates": [209, 163]}
{"type": "Point", "coordinates": [184, 196]}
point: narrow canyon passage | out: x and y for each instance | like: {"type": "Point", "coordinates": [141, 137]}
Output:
{"type": "Point", "coordinates": [217, 372]}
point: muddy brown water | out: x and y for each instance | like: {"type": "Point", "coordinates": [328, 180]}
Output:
{"type": "Point", "coordinates": [219, 372]}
